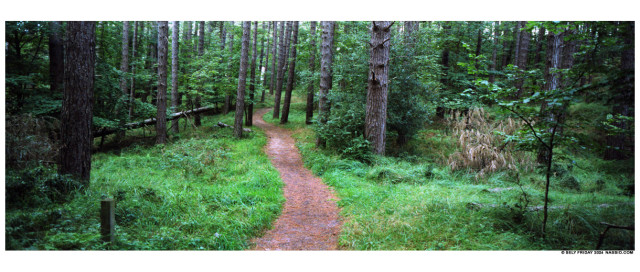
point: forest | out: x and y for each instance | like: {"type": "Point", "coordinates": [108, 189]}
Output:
{"type": "Point", "coordinates": [319, 135]}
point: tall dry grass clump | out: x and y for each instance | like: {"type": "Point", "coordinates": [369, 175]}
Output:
{"type": "Point", "coordinates": [481, 147]}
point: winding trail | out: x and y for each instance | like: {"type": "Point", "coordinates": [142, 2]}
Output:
{"type": "Point", "coordinates": [309, 219]}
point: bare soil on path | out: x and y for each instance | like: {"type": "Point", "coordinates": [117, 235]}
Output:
{"type": "Point", "coordinates": [309, 219]}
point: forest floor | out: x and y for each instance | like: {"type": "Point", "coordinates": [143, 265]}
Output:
{"type": "Point", "coordinates": [309, 219]}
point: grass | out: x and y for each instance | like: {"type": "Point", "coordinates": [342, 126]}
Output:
{"type": "Point", "coordinates": [404, 203]}
{"type": "Point", "coordinates": [203, 191]}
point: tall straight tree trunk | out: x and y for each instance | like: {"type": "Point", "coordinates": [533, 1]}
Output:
{"type": "Point", "coordinates": [506, 49]}
{"type": "Point", "coordinates": [223, 35]}
{"type": "Point", "coordinates": [161, 117]}
{"type": "Point", "coordinates": [261, 59]}
{"type": "Point", "coordinates": [517, 33]}
{"type": "Point", "coordinates": [479, 44]}
{"type": "Point", "coordinates": [134, 49]}
{"type": "Point", "coordinates": [541, 36]}
{"type": "Point", "coordinates": [227, 97]}
{"type": "Point", "coordinates": [267, 73]}
{"type": "Point", "coordinates": [525, 38]}
{"type": "Point", "coordinates": [124, 69]}
{"type": "Point", "coordinates": [274, 54]}
{"type": "Point", "coordinates": [376, 115]}
{"type": "Point", "coordinates": [494, 53]}
{"type": "Point", "coordinates": [282, 62]}
{"type": "Point", "coordinates": [196, 119]}
{"type": "Point", "coordinates": [175, 55]}
{"type": "Point", "coordinates": [77, 103]}
{"type": "Point", "coordinates": [326, 77]}
{"type": "Point", "coordinates": [312, 68]}
{"type": "Point", "coordinates": [242, 79]}
{"type": "Point", "coordinates": [292, 71]}
{"type": "Point", "coordinates": [554, 61]}
{"type": "Point", "coordinates": [252, 86]}
{"type": "Point", "coordinates": [56, 58]}
{"type": "Point", "coordinates": [624, 98]}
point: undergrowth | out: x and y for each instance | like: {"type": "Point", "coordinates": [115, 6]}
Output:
{"type": "Point", "coordinates": [417, 202]}
{"type": "Point", "coordinates": [205, 190]}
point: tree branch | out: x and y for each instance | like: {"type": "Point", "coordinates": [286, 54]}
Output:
{"type": "Point", "coordinates": [530, 126]}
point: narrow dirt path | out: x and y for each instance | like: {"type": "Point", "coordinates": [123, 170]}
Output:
{"type": "Point", "coordinates": [309, 219]}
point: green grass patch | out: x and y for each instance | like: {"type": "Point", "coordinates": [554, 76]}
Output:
{"type": "Point", "coordinates": [204, 191]}
{"type": "Point", "coordinates": [415, 202]}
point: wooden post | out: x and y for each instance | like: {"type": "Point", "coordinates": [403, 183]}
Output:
{"type": "Point", "coordinates": [107, 220]}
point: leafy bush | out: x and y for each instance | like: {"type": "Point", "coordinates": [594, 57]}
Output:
{"type": "Point", "coordinates": [344, 130]}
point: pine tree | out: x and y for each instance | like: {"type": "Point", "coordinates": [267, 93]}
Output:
{"type": "Point", "coordinates": [376, 115]}
{"type": "Point", "coordinates": [292, 69]}
{"type": "Point", "coordinates": [312, 68]}
{"type": "Point", "coordinates": [326, 75]}
{"type": "Point", "coordinates": [161, 116]}
{"type": "Point", "coordinates": [77, 103]}
{"type": "Point", "coordinates": [242, 79]}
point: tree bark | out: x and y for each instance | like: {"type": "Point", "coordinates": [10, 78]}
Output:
{"type": "Point", "coordinates": [252, 86]}
{"type": "Point", "coordinates": [290, 80]}
{"type": "Point", "coordinates": [274, 54]}
{"type": "Point", "coordinates": [479, 44]}
{"type": "Point", "coordinates": [242, 79]}
{"type": "Point", "coordinates": [494, 53]}
{"type": "Point", "coordinates": [376, 115]}
{"type": "Point", "coordinates": [312, 68]}
{"type": "Point", "coordinates": [261, 59]}
{"type": "Point", "coordinates": [56, 58]}
{"type": "Point", "coordinates": [227, 97]}
{"type": "Point", "coordinates": [77, 104]}
{"type": "Point", "coordinates": [134, 49]}
{"type": "Point", "coordinates": [161, 116]}
{"type": "Point", "coordinates": [175, 53]}
{"type": "Point", "coordinates": [326, 77]}
{"type": "Point", "coordinates": [517, 33]}
{"type": "Point", "coordinates": [282, 62]}
{"type": "Point", "coordinates": [523, 54]}
{"type": "Point", "coordinates": [197, 103]}
{"type": "Point", "coordinates": [554, 59]}
{"type": "Point", "coordinates": [124, 69]}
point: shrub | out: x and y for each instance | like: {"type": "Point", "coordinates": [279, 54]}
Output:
{"type": "Point", "coordinates": [31, 140]}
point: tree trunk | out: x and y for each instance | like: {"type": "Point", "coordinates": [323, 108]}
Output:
{"type": "Point", "coordinates": [312, 68]}
{"type": "Point", "coordinates": [281, 67]}
{"type": "Point", "coordinates": [274, 54]}
{"type": "Point", "coordinates": [77, 104]}
{"type": "Point", "coordinates": [554, 58]}
{"type": "Point", "coordinates": [198, 104]}
{"type": "Point", "coordinates": [134, 49]}
{"type": "Point", "coordinates": [175, 53]}
{"type": "Point", "coordinates": [624, 98]}
{"type": "Point", "coordinates": [124, 68]}
{"type": "Point", "coordinates": [445, 57]}
{"type": "Point", "coordinates": [326, 77]}
{"type": "Point", "coordinates": [523, 51]}
{"type": "Point", "coordinates": [223, 35]}
{"type": "Point", "coordinates": [261, 59]}
{"type": "Point", "coordinates": [494, 53]}
{"type": "Point", "coordinates": [163, 44]}
{"type": "Point", "coordinates": [538, 57]}
{"type": "Point", "coordinates": [506, 50]}
{"type": "Point", "coordinates": [376, 115]}
{"type": "Point", "coordinates": [227, 97]}
{"type": "Point", "coordinates": [292, 71]}
{"type": "Point", "coordinates": [242, 79]}
{"type": "Point", "coordinates": [56, 58]}
{"type": "Point", "coordinates": [479, 44]}
{"type": "Point", "coordinates": [252, 86]}
{"type": "Point", "coordinates": [517, 34]}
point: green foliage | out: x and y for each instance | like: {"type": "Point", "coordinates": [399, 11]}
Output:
{"type": "Point", "coordinates": [344, 130]}
{"type": "Point", "coordinates": [207, 191]}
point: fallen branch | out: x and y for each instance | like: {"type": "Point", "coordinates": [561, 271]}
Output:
{"type": "Point", "coordinates": [223, 125]}
{"type": "Point", "coordinates": [151, 121]}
